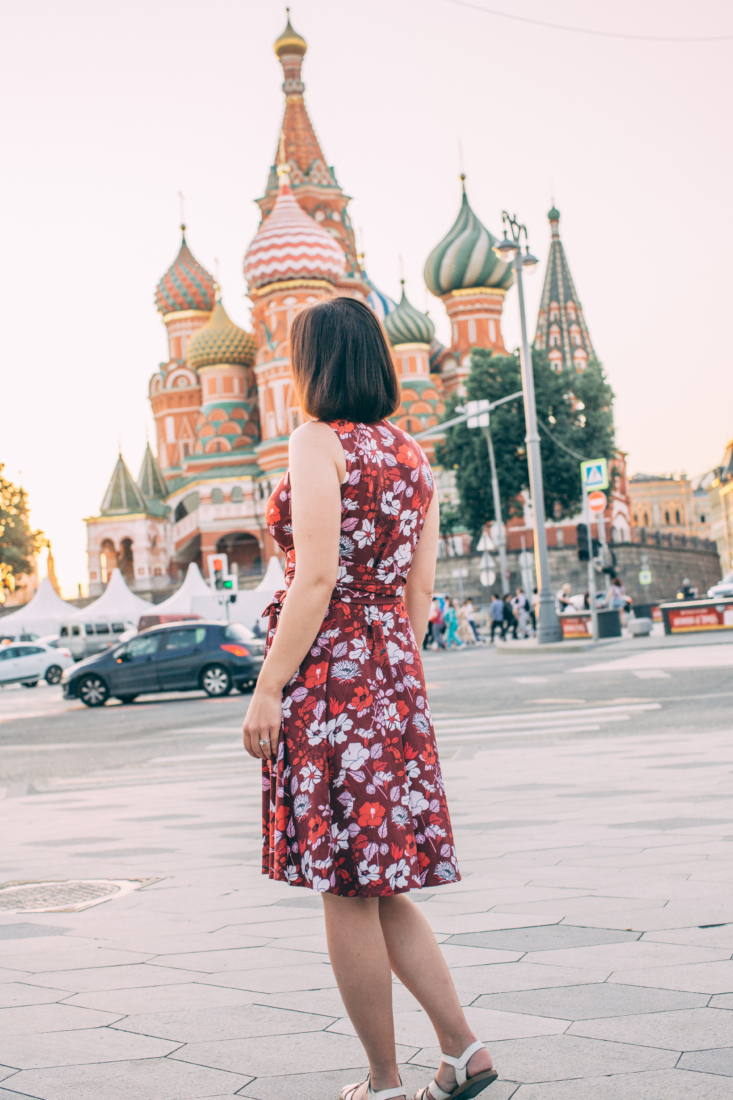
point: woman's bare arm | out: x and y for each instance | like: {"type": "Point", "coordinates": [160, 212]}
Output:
{"type": "Point", "coordinates": [421, 578]}
{"type": "Point", "coordinates": [317, 466]}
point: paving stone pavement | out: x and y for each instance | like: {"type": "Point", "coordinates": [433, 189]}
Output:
{"type": "Point", "coordinates": [590, 939]}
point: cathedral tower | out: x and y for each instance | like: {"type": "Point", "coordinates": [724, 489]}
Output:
{"type": "Point", "coordinates": [561, 327]}
{"type": "Point", "coordinates": [185, 298]}
{"type": "Point", "coordinates": [472, 281]}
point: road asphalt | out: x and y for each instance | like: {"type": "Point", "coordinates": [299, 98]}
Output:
{"type": "Point", "coordinates": [590, 939]}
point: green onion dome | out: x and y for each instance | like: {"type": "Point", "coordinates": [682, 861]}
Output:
{"type": "Point", "coordinates": [290, 41]}
{"type": "Point", "coordinates": [220, 341]}
{"type": "Point", "coordinates": [464, 258]}
{"type": "Point", "coordinates": [186, 285]}
{"type": "Point", "coordinates": [407, 325]}
{"type": "Point", "coordinates": [554, 214]}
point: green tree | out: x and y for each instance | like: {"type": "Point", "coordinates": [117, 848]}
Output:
{"type": "Point", "coordinates": [575, 414]}
{"type": "Point", "coordinates": [18, 543]}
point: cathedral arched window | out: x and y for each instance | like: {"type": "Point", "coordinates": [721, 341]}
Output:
{"type": "Point", "coordinates": [237, 494]}
{"type": "Point", "coordinates": [575, 338]}
{"type": "Point", "coordinates": [570, 310]}
{"type": "Point", "coordinates": [217, 495]}
{"type": "Point", "coordinates": [554, 336]}
{"type": "Point", "coordinates": [554, 311]}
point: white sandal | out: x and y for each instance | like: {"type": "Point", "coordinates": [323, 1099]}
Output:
{"type": "Point", "coordinates": [466, 1087]}
{"type": "Point", "coordinates": [348, 1091]}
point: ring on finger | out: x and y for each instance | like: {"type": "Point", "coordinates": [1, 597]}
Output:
{"type": "Point", "coordinates": [267, 742]}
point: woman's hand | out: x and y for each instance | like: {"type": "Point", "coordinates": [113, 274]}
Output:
{"type": "Point", "coordinates": [261, 727]}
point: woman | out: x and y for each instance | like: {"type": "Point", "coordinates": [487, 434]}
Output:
{"type": "Point", "coordinates": [451, 622]}
{"type": "Point", "coordinates": [616, 598]}
{"type": "Point", "coordinates": [354, 804]}
{"type": "Point", "coordinates": [466, 627]}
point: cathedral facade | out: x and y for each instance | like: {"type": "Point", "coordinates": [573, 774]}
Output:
{"type": "Point", "coordinates": [224, 404]}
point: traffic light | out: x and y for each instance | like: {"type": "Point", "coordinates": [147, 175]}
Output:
{"type": "Point", "coordinates": [230, 584]}
{"type": "Point", "coordinates": [581, 532]}
{"type": "Point", "coordinates": [218, 565]}
{"type": "Point", "coordinates": [596, 547]}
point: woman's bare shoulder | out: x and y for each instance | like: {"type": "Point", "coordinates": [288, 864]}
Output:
{"type": "Point", "coordinates": [315, 438]}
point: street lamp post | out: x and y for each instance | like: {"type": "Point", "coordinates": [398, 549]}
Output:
{"type": "Point", "coordinates": [508, 249]}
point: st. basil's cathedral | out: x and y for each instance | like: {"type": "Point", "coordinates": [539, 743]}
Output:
{"type": "Point", "coordinates": [224, 404]}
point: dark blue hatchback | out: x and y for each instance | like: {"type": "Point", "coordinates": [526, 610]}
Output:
{"type": "Point", "coordinates": [190, 656]}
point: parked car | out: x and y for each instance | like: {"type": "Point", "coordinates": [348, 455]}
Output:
{"type": "Point", "coordinates": [10, 639]}
{"type": "Point", "coordinates": [28, 662]}
{"type": "Point", "coordinates": [722, 588]}
{"type": "Point", "coordinates": [84, 639]}
{"type": "Point", "coordinates": [209, 656]}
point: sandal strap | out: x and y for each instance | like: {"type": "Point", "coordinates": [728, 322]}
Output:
{"type": "Point", "coordinates": [436, 1091]}
{"type": "Point", "coordinates": [459, 1065]}
{"type": "Point", "coordinates": [384, 1094]}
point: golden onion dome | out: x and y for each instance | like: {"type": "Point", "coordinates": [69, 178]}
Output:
{"type": "Point", "coordinates": [290, 41]}
{"type": "Point", "coordinates": [220, 341]}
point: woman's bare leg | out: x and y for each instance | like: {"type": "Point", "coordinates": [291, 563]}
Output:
{"type": "Point", "coordinates": [361, 965]}
{"type": "Point", "coordinates": [416, 959]}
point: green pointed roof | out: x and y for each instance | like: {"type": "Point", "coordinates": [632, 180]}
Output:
{"type": "Point", "coordinates": [151, 481]}
{"type": "Point", "coordinates": [407, 325]}
{"type": "Point", "coordinates": [123, 495]}
{"type": "Point", "coordinates": [464, 258]}
{"type": "Point", "coordinates": [561, 328]}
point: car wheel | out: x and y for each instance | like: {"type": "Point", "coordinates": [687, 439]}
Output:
{"type": "Point", "coordinates": [126, 699]}
{"type": "Point", "coordinates": [54, 674]}
{"type": "Point", "coordinates": [30, 683]}
{"type": "Point", "coordinates": [93, 691]}
{"type": "Point", "coordinates": [216, 681]}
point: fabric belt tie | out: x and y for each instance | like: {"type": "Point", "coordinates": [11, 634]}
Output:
{"type": "Point", "coordinates": [381, 599]}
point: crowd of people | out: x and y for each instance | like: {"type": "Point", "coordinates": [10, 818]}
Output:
{"type": "Point", "coordinates": [453, 623]}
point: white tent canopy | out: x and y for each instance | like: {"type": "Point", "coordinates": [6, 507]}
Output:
{"type": "Point", "coordinates": [117, 602]}
{"type": "Point", "coordinates": [274, 578]}
{"type": "Point", "coordinates": [41, 615]}
{"type": "Point", "coordinates": [180, 603]}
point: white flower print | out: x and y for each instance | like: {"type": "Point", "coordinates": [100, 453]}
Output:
{"type": "Point", "coordinates": [343, 576]}
{"type": "Point", "coordinates": [367, 873]}
{"type": "Point", "coordinates": [397, 874]}
{"type": "Point", "coordinates": [354, 756]}
{"type": "Point", "coordinates": [421, 723]}
{"type": "Point", "coordinates": [348, 504]}
{"type": "Point", "coordinates": [340, 838]}
{"type": "Point", "coordinates": [390, 504]}
{"type": "Point", "coordinates": [408, 522]}
{"type": "Point", "coordinates": [360, 649]}
{"type": "Point", "coordinates": [334, 730]}
{"type": "Point", "coordinates": [395, 653]}
{"type": "Point", "coordinates": [321, 885]}
{"type": "Point", "coordinates": [412, 768]}
{"type": "Point", "coordinates": [309, 776]}
{"type": "Point", "coordinates": [345, 670]}
{"type": "Point", "coordinates": [346, 547]}
{"type": "Point", "coordinates": [366, 536]}
{"type": "Point", "coordinates": [301, 805]}
{"type": "Point", "coordinates": [400, 816]}
{"type": "Point", "coordinates": [446, 872]}
{"type": "Point", "coordinates": [391, 716]}
{"type": "Point", "coordinates": [378, 614]}
{"type": "Point", "coordinates": [418, 804]}
{"type": "Point", "coordinates": [403, 557]}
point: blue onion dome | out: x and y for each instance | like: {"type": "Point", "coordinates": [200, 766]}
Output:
{"type": "Point", "coordinates": [464, 258]}
{"type": "Point", "coordinates": [407, 325]}
{"type": "Point", "coordinates": [380, 302]}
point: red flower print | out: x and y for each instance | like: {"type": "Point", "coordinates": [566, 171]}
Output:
{"type": "Point", "coordinates": [317, 828]}
{"type": "Point", "coordinates": [403, 708]}
{"type": "Point", "coordinates": [371, 813]}
{"type": "Point", "coordinates": [408, 455]}
{"type": "Point", "coordinates": [282, 816]}
{"type": "Point", "coordinates": [316, 675]}
{"type": "Point", "coordinates": [428, 755]}
{"type": "Point", "coordinates": [273, 514]}
{"type": "Point", "coordinates": [410, 845]}
{"type": "Point", "coordinates": [362, 698]}
{"type": "Point", "coordinates": [423, 860]}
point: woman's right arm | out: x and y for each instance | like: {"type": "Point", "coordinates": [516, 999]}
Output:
{"type": "Point", "coordinates": [421, 578]}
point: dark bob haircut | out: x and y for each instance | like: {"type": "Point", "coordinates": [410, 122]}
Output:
{"type": "Point", "coordinates": [341, 361]}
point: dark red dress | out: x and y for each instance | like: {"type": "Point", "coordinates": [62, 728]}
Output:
{"type": "Point", "coordinates": [355, 803]}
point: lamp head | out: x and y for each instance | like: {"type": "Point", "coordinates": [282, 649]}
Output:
{"type": "Point", "coordinates": [505, 249]}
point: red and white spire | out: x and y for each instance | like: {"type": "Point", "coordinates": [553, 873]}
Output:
{"type": "Point", "coordinates": [290, 244]}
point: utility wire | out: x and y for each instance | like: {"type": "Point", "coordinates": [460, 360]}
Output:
{"type": "Point", "coordinates": [555, 440]}
{"type": "Point", "coordinates": [586, 30]}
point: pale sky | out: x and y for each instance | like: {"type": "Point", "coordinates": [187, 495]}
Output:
{"type": "Point", "coordinates": [110, 109]}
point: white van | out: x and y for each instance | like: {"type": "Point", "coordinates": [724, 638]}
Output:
{"type": "Point", "coordinates": [84, 639]}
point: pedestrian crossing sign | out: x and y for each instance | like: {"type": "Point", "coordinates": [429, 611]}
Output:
{"type": "Point", "coordinates": [594, 474]}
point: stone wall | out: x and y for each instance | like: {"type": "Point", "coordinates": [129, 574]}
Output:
{"type": "Point", "coordinates": [669, 565]}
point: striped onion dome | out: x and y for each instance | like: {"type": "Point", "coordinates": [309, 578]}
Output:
{"type": "Point", "coordinates": [291, 245]}
{"type": "Point", "coordinates": [381, 303]}
{"type": "Point", "coordinates": [407, 325]}
{"type": "Point", "coordinates": [185, 285]}
{"type": "Point", "coordinates": [464, 258]}
{"type": "Point", "coordinates": [220, 341]}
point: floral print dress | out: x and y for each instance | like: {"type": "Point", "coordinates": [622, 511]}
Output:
{"type": "Point", "coordinates": [354, 803]}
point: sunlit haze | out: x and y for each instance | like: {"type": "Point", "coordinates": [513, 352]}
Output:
{"type": "Point", "coordinates": [111, 109]}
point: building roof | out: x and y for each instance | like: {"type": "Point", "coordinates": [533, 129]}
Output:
{"type": "Point", "coordinates": [380, 302]}
{"type": "Point", "coordinates": [220, 341]}
{"type": "Point", "coordinates": [464, 258]}
{"type": "Point", "coordinates": [185, 285]}
{"type": "Point", "coordinates": [123, 496]}
{"type": "Point", "coordinates": [291, 245]}
{"type": "Point", "coordinates": [290, 42]}
{"type": "Point", "coordinates": [407, 325]}
{"type": "Point", "coordinates": [150, 481]}
{"type": "Point", "coordinates": [569, 333]}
